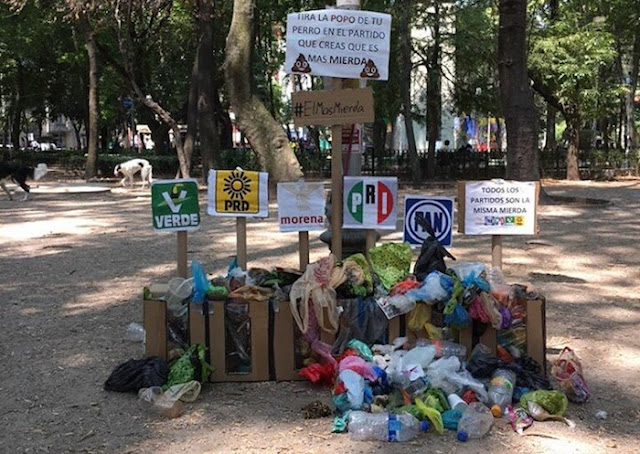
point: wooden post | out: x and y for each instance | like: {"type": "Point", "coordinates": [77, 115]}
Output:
{"type": "Point", "coordinates": [496, 251]}
{"type": "Point", "coordinates": [336, 183]}
{"type": "Point", "coordinates": [182, 254]}
{"type": "Point", "coordinates": [303, 246]}
{"type": "Point", "coordinates": [370, 241]}
{"type": "Point", "coordinates": [241, 239]}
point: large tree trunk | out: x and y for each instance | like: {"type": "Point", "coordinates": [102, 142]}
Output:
{"type": "Point", "coordinates": [635, 64]}
{"type": "Point", "coordinates": [192, 116]}
{"type": "Point", "coordinates": [434, 96]}
{"type": "Point", "coordinates": [92, 134]}
{"type": "Point", "coordinates": [17, 107]}
{"type": "Point", "coordinates": [267, 137]}
{"type": "Point", "coordinates": [550, 142]}
{"type": "Point", "coordinates": [516, 94]}
{"type": "Point", "coordinates": [209, 131]}
{"type": "Point", "coordinates": [404, 30]}
{"type": "Point", "coordinates": [572, 118]}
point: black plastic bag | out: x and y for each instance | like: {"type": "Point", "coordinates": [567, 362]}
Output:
{"type": "Point", "coordinates": [432, 253]}
{"type": "Point", "coordinates": [362, 319]}
{"type": "Point", "coordinates": [136, 374]}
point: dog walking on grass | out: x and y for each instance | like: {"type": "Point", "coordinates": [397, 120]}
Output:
{"type": "Point", "coordinates": [129, 168]}
{"type": "Point", "coordinates": [19, 174]}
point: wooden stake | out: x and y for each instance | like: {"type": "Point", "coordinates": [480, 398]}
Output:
{"type": "Point", "coordinates": [370, 241]}
{"type": "Point", "coordinates": [241, 239]}
{"type": "Point", "coordinates": [303, 247]}
{"type": "Point", "coordinates": [182, 254]}
{"type": "Point", "coordinates": [496, 251]}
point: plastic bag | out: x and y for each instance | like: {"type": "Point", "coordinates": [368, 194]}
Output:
{"type": "Point", "coordinates": [432, 253]}
{"type": "Point", "coordinates": [200, 282]}
{"type": "Point", "coordinates": [391, 262]}
{"type": "Point", "coordinates": [432, 289]}
{"type": "Point", "coordinates": [467, 270]}
{"type": "Point", "coordinates": [136, 374]}
{"type": "Point", "coordinates": [419, 317]}
{"type": "Point", "coordinates": [393, 306]}
{"type": "Point", "coordinates": [361, 319]}
{"type": "Point", "coordinates": [567, 370]}
{"type": "Point", "coordinates": [190, 366]}
{"type": "Point", "coordinates": [555, 402]}
{"type": "Point", "coordinates": [354, 385]}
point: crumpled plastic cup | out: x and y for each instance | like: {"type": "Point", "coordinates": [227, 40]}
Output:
{"type": "Point", "coordinates": [179, 290]}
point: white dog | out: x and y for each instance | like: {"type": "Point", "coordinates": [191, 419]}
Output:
{"type": "Point", "coordinates": [133, 166]}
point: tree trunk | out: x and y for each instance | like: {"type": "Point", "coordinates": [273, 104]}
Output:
{"type": "Point", "coordinates": [404, 30]}
{"type": "Point", "coordinates": [92, 134]}
{"type": "Point", "coordinates": [515, 93]}
{"type": "Point", "coordinates": [635, 64]}
{"type": "Point", "coordinates": [208, 130]}
{"type": "Point", "coordinates": [573, 131]}
{"type": "Point", "coordinates": [550, 142]}
{"type": "Point", "coordinates": [17, 107]}
{"type": "Point", "coordinates": [434, 96]}
{"type": "Point", "coordinates": [192, 115]}
{"type": "Point", "coordinates": [266, 136]}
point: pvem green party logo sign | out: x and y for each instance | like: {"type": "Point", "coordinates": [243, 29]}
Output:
{"type": "Point", "coordinates": [174, 205]}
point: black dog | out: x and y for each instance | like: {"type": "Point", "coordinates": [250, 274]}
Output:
{"type": "Point", "coordinates": [19, 175]}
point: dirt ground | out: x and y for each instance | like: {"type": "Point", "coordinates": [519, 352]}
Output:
{"type": "Point", "coordinates": [73, 265]}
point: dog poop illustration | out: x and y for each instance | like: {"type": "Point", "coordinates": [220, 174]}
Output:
{"type": "Point", "coordinates": [370, 70]}
{"type": "Point", "coordinates": [301, 65]}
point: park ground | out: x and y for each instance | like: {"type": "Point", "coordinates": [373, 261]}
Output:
{"type": "Point", "coordinates": [73, 265]}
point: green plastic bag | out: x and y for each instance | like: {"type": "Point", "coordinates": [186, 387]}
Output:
{"type": "Point", "coordinates": [554, 402]}
{"type": "Point", "coordinates": [391, 262]}
{"type": "Point", "coordinates": [432, 414]}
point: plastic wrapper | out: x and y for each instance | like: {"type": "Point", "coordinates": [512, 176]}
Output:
{"type": "Point", "coordinates": [393, 306]}
{"type": "Point", "coordinates": [519, 419]}
{"type": "Point", "coordinates": [466, 270]}
{"type": "Point", "coordinates": [555, 402]}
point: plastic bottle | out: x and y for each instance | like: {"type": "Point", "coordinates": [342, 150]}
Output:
{"type": "Point", "coordinates": [157, 402]}
{"type": "Point", "coordinates": [446, 348]}
{"type": "Point", "coordinates": [384, 426]}
{"type": "Point", "coordinates": [501, 390]}
{"type": "Point", "coordinates": [417, 386]}
{"type": "Point", "coordinates": [475, 423]}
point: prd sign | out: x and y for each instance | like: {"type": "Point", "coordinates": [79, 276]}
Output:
{"type": "Point", "coordinates": [438, 211]}
{"type": "Point", "coordinates": [370, 203]}
{"type": "Point", "coordinates": [237, 193]}
{"type": "Point", "coordinates": [174, 205]}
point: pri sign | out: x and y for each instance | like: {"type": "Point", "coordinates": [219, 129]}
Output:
{"type": "Point", "coordinates": [300, 206]}
{"type": "Point", "coordinates": [174, 205]}
{"type": "Point", "coordinates": [339, 43]}
{"type": "Point", "coordinates": [438, 211]}
{"type": "Point", "coordinates": [499, 207]}
{"type": "Point", "coordinates": [370, 203]}
{"type": "Point", "coordinates": [237, 193]}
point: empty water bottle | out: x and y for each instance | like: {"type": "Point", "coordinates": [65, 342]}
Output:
{"type": "Point", "coordinates": [446, 348]}
{"type": "Point", "coordinates": [501, 391]}
{"type": "Point", "coordinates": [384, 426]}
{"type": "Point", "coordinates": [135, 332]}
{"type": "Point", "coordinates": [476, 422]}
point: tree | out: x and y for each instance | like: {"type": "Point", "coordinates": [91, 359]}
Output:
{"type": "Point", "coordinates": [265, 134]}
{"type": "Point", "coordinates": [565, 64]}
{"type": "Point", "coordinates": [516, 96]}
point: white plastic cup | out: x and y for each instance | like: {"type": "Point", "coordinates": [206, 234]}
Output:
{"type": "Point", "coordinates": [456, 402]}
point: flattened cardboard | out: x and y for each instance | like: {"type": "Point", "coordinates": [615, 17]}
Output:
{"type": "Point", "coordinates": [154, 316]}
{"type": "Point", "coordinates": [536, 334]}
{"type": "Point", "coordinates": [333, 107]}
{"type": "Point", "coordinates": [258, 313]}
{"type": "Point", "coordinates": [284, 344]}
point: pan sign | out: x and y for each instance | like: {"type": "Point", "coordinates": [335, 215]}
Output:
{"type": "Point", "coordinates": [339, 43]}
{"type": "Point", "coordinates": [438, 211]}
{"type": "Point", "coordinates": [174, 205]}
{"type": "Point", "coordinates": [370, 203]}
{"type": "Point", "coordinates": [237, 193]}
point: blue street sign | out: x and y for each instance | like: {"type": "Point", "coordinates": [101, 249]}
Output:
{"type": "Point", "coordinates": [437, 210]}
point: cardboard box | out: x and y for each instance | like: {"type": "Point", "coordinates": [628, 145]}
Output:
{"type": "Point", "coordinates": [154, 316]}
{"type": "Point", "coordinates": [223, 356]}
{"type": "Point", "coordinates": [284, 344]}
{"type": "Point", "coordinates": [536, 334]}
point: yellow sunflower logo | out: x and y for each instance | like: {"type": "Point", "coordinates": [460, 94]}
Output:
{"type": "Point", "coordinates": [237, 185]}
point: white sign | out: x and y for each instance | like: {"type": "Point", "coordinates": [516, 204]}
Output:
{"type": "Point", "coordinates": [500, 207]}
{"type": "Point", "coordinates": [301, 206]}
{"type": "Point", "coordinates": [339, 43]}
{"type": "Point", "coordinates": [438, 211]}
{"type": "Point", "coordinates": [370, 203]}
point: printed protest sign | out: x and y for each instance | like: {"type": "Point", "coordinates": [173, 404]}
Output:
{"type": "Point", "coordinates": [174, 205]}
{"type": "Point", "coordinates": [438, 211]}
{"type": "Point", "coordinates": [499, 207]}
{"type": "Point", "coordinates": [370, 203]}
{"type": "Point", "coordinates": [339, 43]}
{"type": "Point", "coordinates": [238, 193]}
{"type": "Point", "coordinates": [332, 107]}
{"type": "Point", "coordinates": [300, 206]}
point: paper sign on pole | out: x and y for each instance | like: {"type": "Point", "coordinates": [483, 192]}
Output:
{"type": "Point", "coordinates": [499, 207]}
{"type": "Point", "coordinates": [438, 211]}
{"type": "Point", "coordinates": [301, 206]}
{"type": "Point", "coordinates": [238, 193]}
{"type": "Point", "coordinates": [370, 203]}
{"type": "Point", "coordinates": [332, 107]}
{"type": "Point", "coordinates": [339, 43]}
{"type": "Point", "coordinates": [174, 205]}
